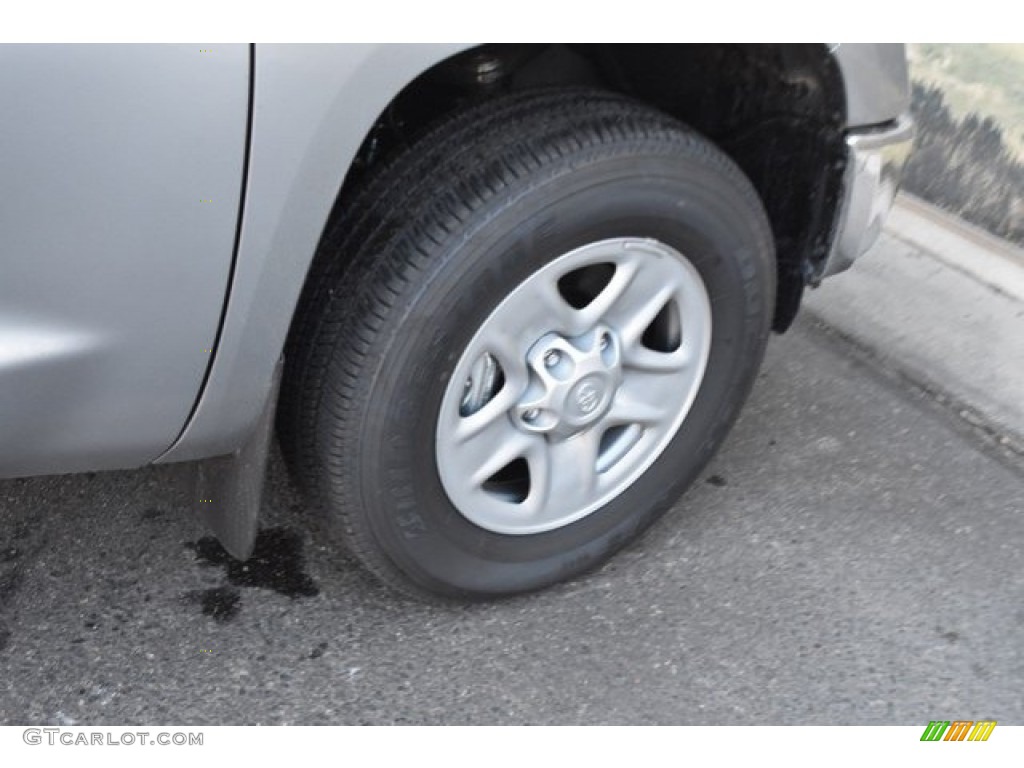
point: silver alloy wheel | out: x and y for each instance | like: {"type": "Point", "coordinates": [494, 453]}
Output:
{"type": "Point", "coordinates": [573, 386]}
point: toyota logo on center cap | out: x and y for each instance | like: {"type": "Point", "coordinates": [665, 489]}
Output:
{"type": "Point", "coordinates": [588, 396]}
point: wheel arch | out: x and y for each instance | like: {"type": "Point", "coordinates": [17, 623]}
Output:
{"type": "Point", "coordinates": [312, 144]}
{"type": "Point", "coordinates": [778, 110]}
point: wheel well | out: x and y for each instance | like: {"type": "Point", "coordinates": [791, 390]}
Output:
{"type": "Point", "coordinates": [777, 110]}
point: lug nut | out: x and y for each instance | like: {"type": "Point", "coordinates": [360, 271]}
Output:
{"type": "Point", "coordinates": [551, 358]}
{"type": "Point", "coordinates": [606, 341]}
{"type": "Point", "coordinates": [531, 415]}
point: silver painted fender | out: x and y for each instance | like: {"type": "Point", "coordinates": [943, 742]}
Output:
{"type": "Point", "coordinates": [313, 106]}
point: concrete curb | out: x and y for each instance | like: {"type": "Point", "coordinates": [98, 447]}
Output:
{"type": "Point", "coordinates": [942, 304]}
{"type": "Point", "coordinates": [991, 261]}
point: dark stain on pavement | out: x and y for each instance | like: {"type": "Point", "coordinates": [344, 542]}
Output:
{"type": "Point", "coordinates": [277, 563]}
{"type": "Point", "coordinates": [152, 513]}
{"type": "Point", "coordinates": [219, 603]}
{"type": "Point", "coordinates": [10, 580]}
{"type": "Point", "coordinates": [5, 637]}
{"type": "Point", "coordinates": [317, 652]}
{"type": "Point", "coordinates": [717, 480]}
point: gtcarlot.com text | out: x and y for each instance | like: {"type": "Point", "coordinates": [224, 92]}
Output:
{"type": "Point", "coordinates": [83, 738]}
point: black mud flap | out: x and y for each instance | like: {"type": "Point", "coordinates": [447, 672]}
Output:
{"type": "Point", "coordinates": [228, 489]}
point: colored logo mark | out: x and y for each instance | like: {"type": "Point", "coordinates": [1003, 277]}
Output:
{"type": "Point", "coordinates": [958, 730]}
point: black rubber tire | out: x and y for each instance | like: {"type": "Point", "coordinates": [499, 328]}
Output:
{"type": "Point", "coordinates": [421, 256]}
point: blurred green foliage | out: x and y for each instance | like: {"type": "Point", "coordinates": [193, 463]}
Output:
{"type": "Point", "coordinates": [986, 79]}
{"type": "Point", "coordinates": [963, 164]}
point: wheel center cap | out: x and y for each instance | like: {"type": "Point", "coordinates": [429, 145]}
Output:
{"type": "Point", "coordinates": [573, 383]}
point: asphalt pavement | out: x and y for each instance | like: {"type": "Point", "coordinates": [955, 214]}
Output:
{"type": "Point", "coordinates": [852, 556]}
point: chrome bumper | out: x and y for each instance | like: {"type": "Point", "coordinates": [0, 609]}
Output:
{"type": "Point", "coordinates": [874, 166]}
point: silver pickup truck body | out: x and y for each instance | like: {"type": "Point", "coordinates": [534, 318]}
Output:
{"type": "Point", "coordinates": [160, 207]}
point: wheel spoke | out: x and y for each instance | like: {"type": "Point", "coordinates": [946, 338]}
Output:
{"type": "Point", "coordinates": [620, 283]}
{"type": "Point", "coordinates": [559, 314]}
{"type": "Point", "coordinates": [469, 427]}
{"type": "Point", "coordinates": [628, 408]}
{"type": "Point", "coordinates": [486, 441]}
{"type": "Point", "coordinates": [638, 357]}
{"type": "Point", "coordinates": [640, 300]}
{"type": "Point", "coordinates": [570, 321]}
{"type": "Point", "coordinates": [642, 397]}
{"type": "Point", "coordinates": [563, 476]}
